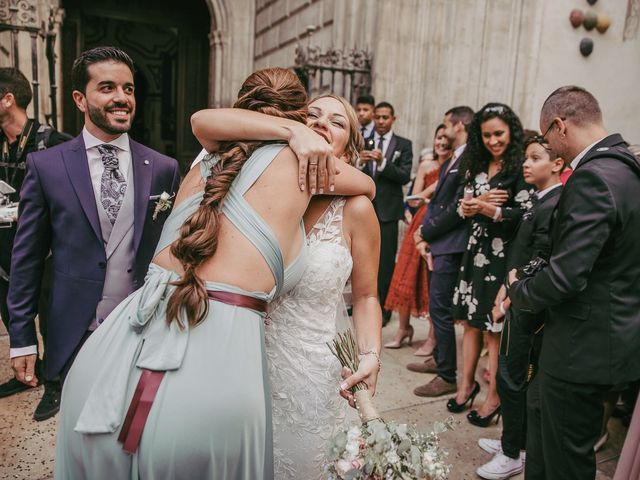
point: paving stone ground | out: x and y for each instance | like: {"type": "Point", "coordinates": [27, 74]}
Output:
{"type": "Point", "coordinates": [27, 447]}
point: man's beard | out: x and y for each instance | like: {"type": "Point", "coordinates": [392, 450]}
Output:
{"type": "Point", "coordinates": [99, 118]}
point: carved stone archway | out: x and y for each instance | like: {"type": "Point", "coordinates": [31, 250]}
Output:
{"type": "Point", "coordinates": [231, 42]}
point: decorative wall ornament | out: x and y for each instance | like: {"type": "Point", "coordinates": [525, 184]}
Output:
{"type": "Point", "coordinates": [333, 58]}
{"type": "Point", "coordinates": [576, 17]}
{"type": "Point", "coordinates": [19, 13]}
{"type": "Point", "coordinates": [586, 46]}
{"type": "Point", "coordinates": [603, 23]}
{"type": "Point", "coordinates": [632, 22]}
{"type": "Point", "coordinates": [590, 20]}
{"type": "Point", "coordinates": [344, 72]}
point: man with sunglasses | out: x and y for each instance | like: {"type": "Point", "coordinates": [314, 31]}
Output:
{"type": "Point", "coordinates": [590, 287]}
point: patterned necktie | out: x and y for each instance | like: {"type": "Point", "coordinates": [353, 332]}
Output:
{"type": "Point", "coordinates": [112, 184]}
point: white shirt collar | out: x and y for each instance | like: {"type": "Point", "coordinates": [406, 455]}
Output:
{"type": "Point", "coordinates": [542, 193]}
{"type": "Point", "coordinates": [90, 141]}
{"type": "Point", "coordinates": [387, 136]}
{"type": "Point", "coordinates": [580, 156]}
{"type": "Point", "coordinates": [458, 151]}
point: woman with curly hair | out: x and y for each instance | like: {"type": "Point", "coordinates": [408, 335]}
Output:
{"type": "Point", "coordinates": [495, 198]}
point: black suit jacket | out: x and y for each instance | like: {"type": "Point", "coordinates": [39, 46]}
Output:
{"type": "Point", "coordinates": [389, 201]}
{"type": "Point", "coordinates": [591, 288]}
{"type": "Point", "coordinates": [443, 227]}
{"type": "Point", "coordinates": [533, 238]}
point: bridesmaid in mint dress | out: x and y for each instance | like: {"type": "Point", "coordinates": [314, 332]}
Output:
{"type": "Point", "coordinates": [149, 398]}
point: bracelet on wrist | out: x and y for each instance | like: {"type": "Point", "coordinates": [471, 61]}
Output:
{"type": "Point", "coordinates": [375, 354]}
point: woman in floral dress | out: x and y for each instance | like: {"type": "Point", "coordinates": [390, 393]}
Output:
{"type": "Point", "coordinates": [495, 198]}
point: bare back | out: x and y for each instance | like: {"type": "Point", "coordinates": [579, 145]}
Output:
{"type": "Point", "coordinates": [277, 199]}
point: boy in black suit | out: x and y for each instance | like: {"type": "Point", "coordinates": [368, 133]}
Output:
{"type": "Point", "coordinates": [541, 168]}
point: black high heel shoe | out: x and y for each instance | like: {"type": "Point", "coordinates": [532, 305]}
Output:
{"type": "Point", "coordinates": [455, 407]}
{"type": "Point", "coordinates": [483, 422]}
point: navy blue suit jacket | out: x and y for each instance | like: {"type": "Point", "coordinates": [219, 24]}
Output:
{"type": "Point", "coordinates": [58, 213]}
{"type": "Point", "coordinates": [444, 229]}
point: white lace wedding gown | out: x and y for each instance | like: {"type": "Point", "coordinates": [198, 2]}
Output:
{"type": "Point", "coordinates": [305, 376]}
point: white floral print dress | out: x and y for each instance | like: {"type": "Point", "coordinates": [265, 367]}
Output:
{"type": "Point", "coordinates": [484, 263]}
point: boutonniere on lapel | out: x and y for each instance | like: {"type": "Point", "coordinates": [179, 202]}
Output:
{"type": "Point", "coordinates": [163, 202]}
{"type": "Point", "coordinates": [396, 155]}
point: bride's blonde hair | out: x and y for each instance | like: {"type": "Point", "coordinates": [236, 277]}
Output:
{"type": "Point", "coordinates": [355, 144]}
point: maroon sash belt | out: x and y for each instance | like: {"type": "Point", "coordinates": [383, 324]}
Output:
{"type": "Point", "coordinates": [150, 380]}
{"type": "Point", "coordinates": [238, 300]}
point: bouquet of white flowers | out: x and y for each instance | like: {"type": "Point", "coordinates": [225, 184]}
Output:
{"type": "Point", "coordinates": [377, 450]}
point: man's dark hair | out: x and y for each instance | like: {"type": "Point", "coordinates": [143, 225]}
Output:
{"type": "Point", "coordinates": [386, 105]}
{"type": "Point", "coordinates": [571, 103]}
{"type": "Point", "coordinates": [367, 100]}
{"type": "Point", "coordinates": [80, 69]}
{"type": "Point", "coordinates": [462, 114]}
{"type": "Point", "coordinates": [13, 81]}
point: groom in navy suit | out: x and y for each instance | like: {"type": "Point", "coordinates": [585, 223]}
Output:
{"type": "Point", "coordinates": [90, 202]}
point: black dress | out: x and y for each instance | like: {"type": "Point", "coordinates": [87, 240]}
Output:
{"type": "Point", "coordinates": [484, 264]}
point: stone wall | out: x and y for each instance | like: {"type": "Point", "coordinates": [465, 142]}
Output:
{"type": "Point", "coordinates": [429, 55]}
{"type": "Point", "coordinates": [39, 11]}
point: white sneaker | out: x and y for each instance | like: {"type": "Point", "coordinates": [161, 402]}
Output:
{"type": "Point", "coordinates": [500, 467]}
{"type": "Point", "coordinates": [493, 446]}
{"type": "Point", "coordinates": [490, 445]}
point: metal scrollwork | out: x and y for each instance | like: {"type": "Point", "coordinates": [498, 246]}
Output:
{"type": "Point", "coordinates": [344, 72]}
{"type": "Point", "coordinates": [20, 13]}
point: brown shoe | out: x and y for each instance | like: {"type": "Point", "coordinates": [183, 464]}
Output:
{"type": "Point", "coordinates": [428, 366]}
{"type": "Point", "coordinates": [436, 387]}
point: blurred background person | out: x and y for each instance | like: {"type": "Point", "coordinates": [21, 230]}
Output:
{"type": "Point", "coordinates": [365, 108]}
{"type": "Point", "coordinates": [408, 294]}
{"type": "Point", "coordinates": [388, 161]}
{"type": "Point", "coordinates": [444, 235]}
{"type": "Point", "coordinates": [20, 136]}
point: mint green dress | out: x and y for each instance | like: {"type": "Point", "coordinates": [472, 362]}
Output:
{"type": "Point", "coordinates": [211, 418]}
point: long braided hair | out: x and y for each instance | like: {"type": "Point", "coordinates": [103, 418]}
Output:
{"type": "Point", "coordinates": [273, 91]}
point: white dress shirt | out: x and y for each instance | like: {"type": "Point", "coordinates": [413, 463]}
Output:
{"type": "Point", "coordinates": [96, 168]}
{"type": "Point", "coordinates": [385, 145]}
{"type": "Point", "coordinates": [368, 129]}
{"type": "Point", "coordinates": [542, 193]}
{"type": "Point", "coordinates": [580, 156]}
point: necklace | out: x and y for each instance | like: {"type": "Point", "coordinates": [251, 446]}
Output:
{"type": "Point", "coordinates": [6, 159]}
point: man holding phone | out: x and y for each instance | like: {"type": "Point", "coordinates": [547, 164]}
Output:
{"type": "Point", "coordinates": [387, 159]}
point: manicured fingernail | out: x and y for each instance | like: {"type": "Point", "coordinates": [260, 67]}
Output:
{"type": "Point", "coordinates": [321, 191]}
{"type": "Point", "coordinates": [28, 378]}
{"type": "Point", "coordinates": [343, 386]}
{"type": "Point", "coordinates": [332, 188]}
{"type": "Point", "coordinates": [313, 191]}
{"type": "Point", "coordinates": [302, 188]}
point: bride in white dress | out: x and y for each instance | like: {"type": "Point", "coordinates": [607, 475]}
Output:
{"type": "Point", "coordinates": [344, 241]}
